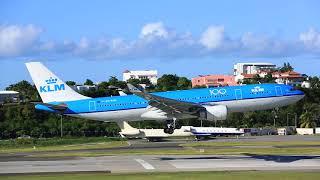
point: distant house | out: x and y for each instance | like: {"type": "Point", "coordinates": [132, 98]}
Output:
{"type": "Point", "coordinates": [81, 88]}
{"type": "Point", "coordinates": [252, 68]}
{"type": "Point", "coordinates": [290, 77]}
{"type": "Point", "coordinates": [9, 95]}
{"type": "Point", "coordinates": [214, 80]}
{"type": "Point", "coordinates": [152, 75]}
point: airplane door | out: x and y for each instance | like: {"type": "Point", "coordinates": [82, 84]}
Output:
{"type": "Point", "coordinates": [92, 106]}
{"type": "Point", "coordinates": [278, 91]}
{"type": "Point", "coordinates": [238, 94]}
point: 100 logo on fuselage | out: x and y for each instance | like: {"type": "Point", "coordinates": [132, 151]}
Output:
{"type": "Point", "coordinates": [217, 91]}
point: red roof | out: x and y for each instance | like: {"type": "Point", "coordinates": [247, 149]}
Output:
{"type": "Point", "coordinates": [291, 73]}
{"type": "Point", "coordinates": [288, 74]}
{"type": "Point", "coordinates": [248, 75]}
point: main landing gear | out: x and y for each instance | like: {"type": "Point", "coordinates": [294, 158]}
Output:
{"type": "Point", "coordinates": [171, 125]}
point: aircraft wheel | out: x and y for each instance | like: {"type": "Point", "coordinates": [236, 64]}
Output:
{"type": "Point", "coordinates": [178, 125]}
{"type": "Point", "coordinates": [171, 131]}
{"type": "Point", "coordinates": [166, 130]}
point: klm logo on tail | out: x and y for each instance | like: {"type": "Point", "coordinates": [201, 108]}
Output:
{"type": "Point", "coordinates": [52, 86]}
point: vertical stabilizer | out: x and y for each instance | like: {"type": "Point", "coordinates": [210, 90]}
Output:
{"type": "Point", "coordinates": [126, 129]}
{"type": "Point", "coordinates": [124, 125]}
{"type": "Point", "coordinates": [50, 87]}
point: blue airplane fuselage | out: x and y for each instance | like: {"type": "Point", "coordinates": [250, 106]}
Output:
{"type": "Point", "coordinates": [132, 107]}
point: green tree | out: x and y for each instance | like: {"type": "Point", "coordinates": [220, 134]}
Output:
{"type": "Point", "coordinates": [70, 83]}
{"type": "Point", "coordinates": [88, 82]}
{"type": "Point", "coordinates": [310, 115]}
{"type": "Point", "coordinates": [145, 81]}
{"type": "Point", "coordinates": [134, 81]}
{"type": "Point", "coordinates": [183, 83]}
{"type": "Point", "coordinates": [115, 82]}
{"type": "Point", "coordinates": [167, 82]}
{"type": "Point", "coordinates": [286, 67]}
{"type": "Point", "coordinates": [268, 79]}
{"type": "Point", "coordinates": [315, 82]}
{"type": "Point", "coordinates": [27, 92]}
{"type": "Point", "coordinates": [199, 87]}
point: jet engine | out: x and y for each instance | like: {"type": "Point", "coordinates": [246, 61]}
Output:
{"type": "Point", "coordinates": [214, 112]}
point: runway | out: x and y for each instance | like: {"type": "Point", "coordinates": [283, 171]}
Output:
{"type": "Point", "coordinates": [164, 163]}
{"type": "Point", "coordinates": [172, 144]}
{"type": "Point", "coordinates": [34, 162]}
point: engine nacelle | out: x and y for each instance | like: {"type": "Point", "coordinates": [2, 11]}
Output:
{"type": "Point", "coordinates": [214, 112]}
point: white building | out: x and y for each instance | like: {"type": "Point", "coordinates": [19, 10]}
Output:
{"type": "Point", "coordinates": [9, 95]}
{"type": "Point", "coordinates": [152, 75]}
{"type": "Point", "coordinates": [252, 68]}
{"type": "Point", "coordinates": [80, 88]}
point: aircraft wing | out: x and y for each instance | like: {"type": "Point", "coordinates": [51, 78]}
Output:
{"type": "Point", "coordinates": [171, 107]}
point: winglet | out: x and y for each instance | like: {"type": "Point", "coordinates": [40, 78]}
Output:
{"type": "Point", "coordinates": [133, 89]}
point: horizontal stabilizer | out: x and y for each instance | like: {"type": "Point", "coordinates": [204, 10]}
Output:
{"type": "Point", "coordinates": [56, 107]}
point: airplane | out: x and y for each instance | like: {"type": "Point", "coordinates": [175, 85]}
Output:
{"type": "Point", "coordinates": [206, 103]}
{"type": "Point", "coordinates": [185, 131]}
{"type": "Point", "coordinates": [206, 132]}
{"type": "Point", "coordinates": [151, 134]}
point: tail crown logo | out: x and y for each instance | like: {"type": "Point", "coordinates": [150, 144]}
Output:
{"type": "Point", "coordinates": [51, 80]}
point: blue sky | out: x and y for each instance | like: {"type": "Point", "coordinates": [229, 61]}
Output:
{"type": "Point", "coordinates": [97, 39]}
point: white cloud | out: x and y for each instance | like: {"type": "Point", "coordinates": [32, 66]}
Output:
{"type": "Point", "coordinates": [213, 37]}
{"type": "Point", "coordinates": [154, 29]}
{"type": "Point", "coordinates": [156, 41]}
{"type": "Point", "coordinates": [311, 39]}
{"type": "Point", "coordinates": [14, 40]}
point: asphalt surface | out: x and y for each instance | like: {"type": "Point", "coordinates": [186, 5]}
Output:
{"type": "Point", "coordinates": [163, 163]}
{"type": "Point", "coordinates": [15, 163]}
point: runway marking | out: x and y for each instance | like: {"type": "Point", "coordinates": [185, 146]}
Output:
{"type": "Point", "coordinates": [145, 164]}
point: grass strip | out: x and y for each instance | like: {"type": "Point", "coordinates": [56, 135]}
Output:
{"type": "Point", "coordinates": [226, 175]}
{"type": "Point", "coordinates": [251, 143]}
{"type": "Point", "coordinates": [192, 151]}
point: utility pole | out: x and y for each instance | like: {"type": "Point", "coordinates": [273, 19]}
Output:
{"type": "Point", "coordinates": [295, 120]}
{"type": "Point", "coordinates": [287, 118]}
{"type": "Point", "coordinates": [61, 130]}
{"type": "Point", "coordinates": [275, 116]}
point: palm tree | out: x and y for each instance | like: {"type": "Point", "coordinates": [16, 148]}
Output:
{"type": "Point", "coordinates": [310, 115]}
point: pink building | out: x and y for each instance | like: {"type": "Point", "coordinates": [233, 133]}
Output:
{"type": "Point", "coordinates": [214, 80]}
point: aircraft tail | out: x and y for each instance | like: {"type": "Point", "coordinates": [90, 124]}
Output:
{"type": "Point", "coordinates": [50, 87]}
{"type": "Point", "coordinates": [124, 125]}
{"type": "Point", "coordinates": [126, 129]}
